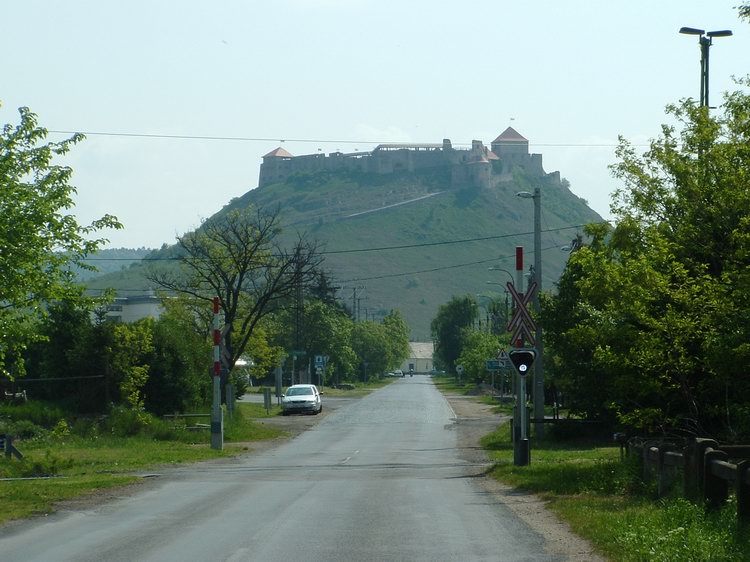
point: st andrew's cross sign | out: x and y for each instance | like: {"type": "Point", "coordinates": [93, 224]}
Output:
{"type": "Point", "coordinates": [522, 325]}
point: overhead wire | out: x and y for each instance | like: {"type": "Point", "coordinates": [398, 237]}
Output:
{"type": "Point", "coordinates": [376, 248]}
{"type": "Point", "coordinates": [304, 140]}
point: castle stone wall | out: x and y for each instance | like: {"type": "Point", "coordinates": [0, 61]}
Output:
{"type": "Point", "coordinates": [469, 166]}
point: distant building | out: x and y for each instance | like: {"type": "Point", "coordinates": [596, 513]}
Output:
{"type": "Point", "coordinates": [130, 309]}
{"type": "Point", "coordinates": [477, 166]}
{"type": "Point", "coordinates": [420, 357]}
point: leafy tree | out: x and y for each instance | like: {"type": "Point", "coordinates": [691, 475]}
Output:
{"type": "Point", "coordinates": [132, 347]}
{"type": "Point", "coordinates": [239, 258]}
{"type": "Point", "coordinates": [447, 326]}
{"type": "Point", "coordinates": [476, 348]}
{"type": "Point", "coordinates": [40, 241]}
{"type": "Point", "coordinates": [328, 331]}
{"type": "Point", "coordinates": [179, 374]}
{"type": "Point", "coordinates": [370, 343]}
{"type": "Point", "coordinates": [397, 337]}
{"type": "Point", "coordinates": [650, 322]}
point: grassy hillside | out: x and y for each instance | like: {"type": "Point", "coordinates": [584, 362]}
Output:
{"type": "Point", "coordinates": [355, 213]}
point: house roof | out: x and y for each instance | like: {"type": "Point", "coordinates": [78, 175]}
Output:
{"type": "Point", "coordinates": [492, 156]}
{"type": "Point", "coordinates": [420, 350]}
{"type": "Point", "coordinates": [278, 153]}
{"type": "Point", "coordinates": [510, 135]}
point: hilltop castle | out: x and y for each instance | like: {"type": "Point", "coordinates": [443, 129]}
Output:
{"type": "Point", "coordinates": [477, 166]}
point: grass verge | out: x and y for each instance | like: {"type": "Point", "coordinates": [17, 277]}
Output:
{"type": "Point", "coordinates": [79, 465]}
{"type": "Point", "coordinates": [604, 501]}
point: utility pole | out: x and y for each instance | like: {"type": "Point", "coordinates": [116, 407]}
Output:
{"type": "Point", "coordinates": [538, 387]}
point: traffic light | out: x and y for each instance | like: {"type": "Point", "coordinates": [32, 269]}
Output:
{"type": "Point", "coordinates": [522, 360]}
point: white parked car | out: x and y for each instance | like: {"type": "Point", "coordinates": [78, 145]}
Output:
{"type": "Point", "coordinates": [301, 398]}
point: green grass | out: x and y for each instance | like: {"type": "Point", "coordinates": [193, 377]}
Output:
{"type": "Point", "coordinates": [82, 465]}
{"type": "Point", "coordinates": [604, 501]}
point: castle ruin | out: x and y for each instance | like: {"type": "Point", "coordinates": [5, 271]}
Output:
{"type": "Point", "coordinates": [477, 166]}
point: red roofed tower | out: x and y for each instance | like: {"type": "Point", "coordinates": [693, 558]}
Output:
{"type": "Point", "coordinates": [509, 142]}
{"type": "Point", "coordinates": [274, 167]}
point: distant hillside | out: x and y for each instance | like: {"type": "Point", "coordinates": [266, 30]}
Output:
{"type": "Point", "coordinates": [359, 215]}
{"type": "Point", "coordinates": [110, 261]}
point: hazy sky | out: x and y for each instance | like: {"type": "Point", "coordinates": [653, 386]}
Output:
{"type": "Point", "coordinates": [565, 74]}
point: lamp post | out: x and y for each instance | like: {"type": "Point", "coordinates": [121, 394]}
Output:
{"type": "Point", "coordinates": [493, 268]}
{"type": "Point", "coordinates": [705, 40]}
{"type": "Point", "coordinates": [539, 361]}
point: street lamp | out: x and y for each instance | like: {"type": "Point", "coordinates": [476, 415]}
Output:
{"type": "Point", "coordinates": [493, 268]}
{"type": "Point", "coordinates": [539, 362]}
{"type": "Point", "coordinates": [705, 39]}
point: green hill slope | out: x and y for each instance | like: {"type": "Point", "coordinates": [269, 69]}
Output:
{"type": "Point", "coordinates": [357, 216]}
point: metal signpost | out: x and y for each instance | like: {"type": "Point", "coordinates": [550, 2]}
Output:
{"type": "Point", "coordinates": [522, 360]}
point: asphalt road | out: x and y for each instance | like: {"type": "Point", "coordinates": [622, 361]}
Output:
{"type": "Point", "coordinates": [377, 479]}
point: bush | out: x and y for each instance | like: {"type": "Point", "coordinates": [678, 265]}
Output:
{"type": "Point", "coordinates": [125, 422]}
{"type": "Point", "coordinates": [23, 429]}
{"type": "Point", "coordinates": [34, 411]}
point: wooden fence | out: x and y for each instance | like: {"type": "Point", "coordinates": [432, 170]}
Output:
{"type": "Point", "coordinates": [708, 470]}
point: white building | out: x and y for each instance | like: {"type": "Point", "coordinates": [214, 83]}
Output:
{"type": "Point", "coordinates": [420, 357]}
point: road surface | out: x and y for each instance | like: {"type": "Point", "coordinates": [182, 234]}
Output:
{"type": "Point", "coordinates": [378, 479]}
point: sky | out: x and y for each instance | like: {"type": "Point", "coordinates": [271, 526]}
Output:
{"type": "Point", "coordinates": [180, 100]}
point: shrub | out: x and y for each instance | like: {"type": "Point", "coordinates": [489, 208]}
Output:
{"type": "Point", "coordinates": [23, 429]}
{"type": "Point", "coordinates": [34, 411]}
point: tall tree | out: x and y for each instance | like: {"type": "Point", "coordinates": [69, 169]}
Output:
{"type": "Point", "coordinates": [40, 240]}
{"type": "Point", "coordinates": [239, 258]}
{"type": "Point", "coordinates": [650, 322]}
{"type": "Point", "coordinates": [447, 326]}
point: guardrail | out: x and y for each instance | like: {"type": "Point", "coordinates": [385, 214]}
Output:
{"type": "Point", "coordinates": [709, 470]}
{"type": "Point", "coordinates": [196, 426]}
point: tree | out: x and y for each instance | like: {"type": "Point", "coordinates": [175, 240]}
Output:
{"type": "Point", "coordinates": [40, 241]}
{"type": "Point", "coordinates": [397, 336]}
{"type": "Point", "coordinates": [370, 343]}
{"type": "Point", "coordinates": [451, 319]}
{"type": "Point", "coordinates": [650, 322]}
{"type": "Point", "coordinates": [178, 375]}
{"type": "Point", "coordinates": [476, 348]}
{"type": "Point", "coordinates": [239, 258]}
{"type": "Point", "coordinates": [328, 331]}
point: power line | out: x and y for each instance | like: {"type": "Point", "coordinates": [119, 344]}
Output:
{"type": "Point", "coordinates": [456, 266]}
{"type": "Point", "coordinates": [431, 270]}
{"type": "Point", "coordinates": [378, 248]}
{"type": "Point", "coordinates": [311, 141]}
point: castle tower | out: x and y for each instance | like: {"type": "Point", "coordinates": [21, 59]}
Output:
{"type": "Point", "coordinates": [274, 167]}
{"type": "Point", "coordinates": [510, 142]}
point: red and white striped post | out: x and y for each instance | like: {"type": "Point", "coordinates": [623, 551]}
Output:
{"type": "Point", "coordinates": [519, 284]}
{"type": "Point", "coordinates": [217, 414]}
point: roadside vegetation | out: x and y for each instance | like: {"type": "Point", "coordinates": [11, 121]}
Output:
{"type": "Point", "coordinates": [603, 497]}
{"type": "Point", "coordinates": [66, 458]}
{"type": "Point", "coordinates": [605, 501]}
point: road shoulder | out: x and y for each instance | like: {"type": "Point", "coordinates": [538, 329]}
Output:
{"type": "Point", "coordinates": [474, 420]}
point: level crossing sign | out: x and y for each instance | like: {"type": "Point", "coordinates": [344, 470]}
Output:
{"type": "Point", "coordinates": [522, 325]}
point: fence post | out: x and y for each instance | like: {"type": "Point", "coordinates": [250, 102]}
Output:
{"type": "Point", "coordinates": [742, 491]}
{"type": "Point", "coordinates": [715, 490]}
{"type": "Point", "coordinates": [689, 484]}
{"type": "Point", "coordinates": [699, 464]}
{"type": "Point", "coordinates": [646, 460]}
{"type": "Point", "coordinates": [664, 473]}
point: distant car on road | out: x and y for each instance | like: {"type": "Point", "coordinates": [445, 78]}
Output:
{"type": "Point", "coordinates": [301, 398]}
